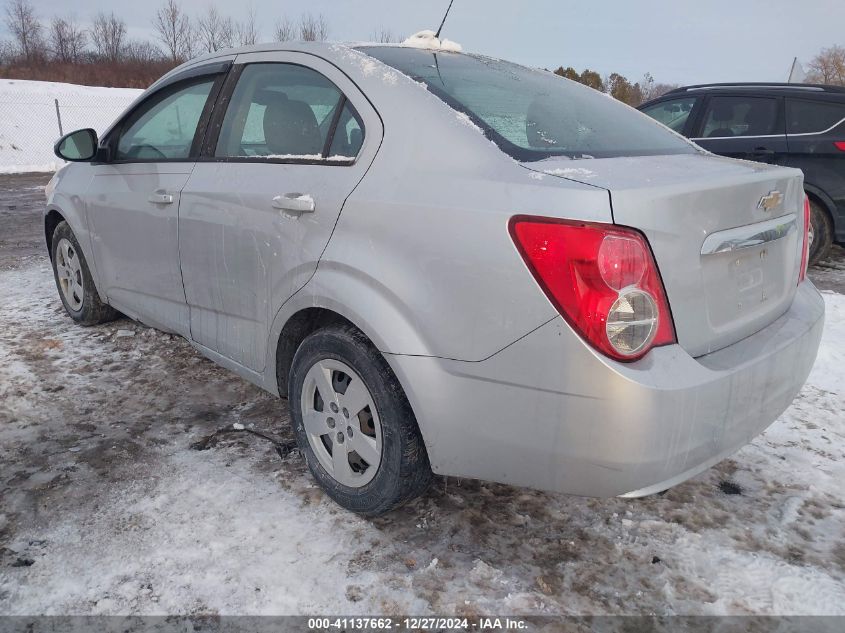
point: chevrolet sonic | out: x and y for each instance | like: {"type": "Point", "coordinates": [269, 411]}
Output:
{"type": "Point", "coordinates": [447, 264]}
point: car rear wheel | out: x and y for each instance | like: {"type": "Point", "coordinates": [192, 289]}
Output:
{"type": "Point", "coordinates": [821, 233]}
{"type": "Point", "coordinates": [73, 280]}
{"type": "Point", "coordinates": [354, 424]}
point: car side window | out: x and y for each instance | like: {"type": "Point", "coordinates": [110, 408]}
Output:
{"type": "Point", "coordinates": [809, 117]}
{"type": "Point", "coordinates": [287, 112]}
{"type": "Point", "coordinates": [164, 128]}
{"type": "Point", "coordinates": [740, 116]}
{"type": "Point", "coordinates": [349, 134]}
{"type": "Point", "coordinates": [672, 113]}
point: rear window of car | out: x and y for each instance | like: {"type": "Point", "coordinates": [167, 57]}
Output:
{"type": "Point", "coordinates": [808, 117]}
{"type": "Point", "coordinates": [532, 114]}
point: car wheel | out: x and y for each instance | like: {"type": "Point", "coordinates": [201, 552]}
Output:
{"type": "Point", "coordinates": [354, 424]}
{"type": "Point", "coordinates": [821, 233]}
{"type": "Point", "coordinates": [73, 279]}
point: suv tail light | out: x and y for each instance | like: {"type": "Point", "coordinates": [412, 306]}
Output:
{"type": "Point", "coordinates": [602, 279]}
{"type": "Point", "coordinates": [805, 247]}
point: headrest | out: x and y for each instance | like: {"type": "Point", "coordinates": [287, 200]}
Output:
{"type": "Point", "coordinates": [290, 126]}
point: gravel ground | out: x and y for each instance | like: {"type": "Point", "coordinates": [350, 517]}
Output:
{"type": "Point", "coordinates": [107, 506]}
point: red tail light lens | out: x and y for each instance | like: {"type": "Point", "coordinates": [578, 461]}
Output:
{"type": "Point", "coordinates": [840, 145]}
{"type": "Point", "coordinates": [602, 279]}
{"type": "Point", "coordinates": [805, 247]}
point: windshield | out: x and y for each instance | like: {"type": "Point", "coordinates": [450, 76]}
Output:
{"type": "Point", "coordinates": [533, 114]}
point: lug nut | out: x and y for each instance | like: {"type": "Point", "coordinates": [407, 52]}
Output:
{"type": "Point", "coordinates": [340, 438]}
{"type": "Point", "coordinates": [333, 407]}
{"type": "Point", "coordinates": [349, 431]}
{"type": "Point", "coordinates": [330, 422]}
{"type": "Point", "coordinates": [345, 413]}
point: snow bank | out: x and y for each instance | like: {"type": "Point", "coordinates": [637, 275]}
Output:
{"type": "Point", "coordinates": [428, 40]}
{"type": "Point", "coordinates": [28, 122]}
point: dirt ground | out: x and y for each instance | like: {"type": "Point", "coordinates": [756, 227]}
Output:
{"type": "Point", "coordinates": [107, 506]}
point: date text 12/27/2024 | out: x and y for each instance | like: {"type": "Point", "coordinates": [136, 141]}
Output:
{"type": "Point", "coordinates": [417, 624]}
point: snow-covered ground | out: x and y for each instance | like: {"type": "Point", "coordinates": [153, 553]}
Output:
{"type": "Point", "coordinates": [107, 508]}
{"type": "Point", "coordinates": [29, 125]}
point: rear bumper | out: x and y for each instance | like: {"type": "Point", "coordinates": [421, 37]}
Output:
{"type": "Point", "coordinates": [547, 412]}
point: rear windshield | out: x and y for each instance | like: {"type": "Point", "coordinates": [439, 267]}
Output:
{"type": "Point", "coordinates": [532, 114]}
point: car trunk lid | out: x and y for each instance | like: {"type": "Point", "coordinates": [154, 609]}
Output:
{"type": "Point", "coordinates": [726, 235]}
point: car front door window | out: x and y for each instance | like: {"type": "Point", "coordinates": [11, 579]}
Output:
{"type": "Point", "coordinates": [165, 129]}
{"type": "Point", "coordinates": [673, 113]}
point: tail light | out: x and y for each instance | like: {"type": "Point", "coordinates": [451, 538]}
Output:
{"type": "Point", "coordinates": [840, 145]}
{"type": "Point", "coordinates": [805, 247]}
{"type": "Point", "coordinates": [602, 279]}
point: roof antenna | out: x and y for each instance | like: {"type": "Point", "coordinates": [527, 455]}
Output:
{"type": "Point", "coordinates": [437, 35]}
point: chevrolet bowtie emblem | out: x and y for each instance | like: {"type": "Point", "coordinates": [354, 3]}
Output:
{"type": "Point", "coordinates": [770, 200]}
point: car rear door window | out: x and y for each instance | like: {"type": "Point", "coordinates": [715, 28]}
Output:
{"type": "Point", "coordinates": [727, 117]}
{"type": "Point", "coordinates": [165, 126]}
{"type": "Point", "coordinates": [286, 112]}
{"type": "Point", "coordinates": [812, 117]}
{"type": "Point", "coordinates": [672, 113]}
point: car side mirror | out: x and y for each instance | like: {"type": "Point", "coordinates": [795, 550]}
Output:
{"type": "Point", "coordinates": [77, 146]}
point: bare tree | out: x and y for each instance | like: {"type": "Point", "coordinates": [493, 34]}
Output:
{"type": "Point", "coordinates": [142, 52]}
{"type": "Point", "coordinates": [313, 29]}
{"type": "Point", "coordinates": [247, 31]}
{"type": "Point", "coordinates": [285, 30]}
{"type": "Point", "coordinates": [651, 89]}
{"type": "Point", "coordinates": [828, 67]}
{"type": "Point", "coordinates": [214, 31]}
{"type": "Point", "coordinates": [7, 52]}
{"type": "Point", "coordinates": [25, 28]}
{"type": "Point", "coordinates": [174, 29]}
{"type": "Point", "coordinates": [383, 36]}
{"type": "Point", "coordinates": [67, 40]}
{"type": "Point", "coordinates": [108, 35]}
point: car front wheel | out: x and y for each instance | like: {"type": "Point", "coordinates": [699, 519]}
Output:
{"type": "Point", "coordinates": [354, 424]}
{"type": "Point", "coordinates": [73, 279]}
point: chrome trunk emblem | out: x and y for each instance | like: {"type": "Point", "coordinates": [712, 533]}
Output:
{"type": "Point", "coordinates": [770, 200]}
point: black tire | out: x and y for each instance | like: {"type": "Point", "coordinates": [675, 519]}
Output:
{"type": "Point", "coordinates": [404, 472]}
{"type": "Point", "coordinates": [822, 232]}
{"type": "Point", "coordinates": [92, 311]}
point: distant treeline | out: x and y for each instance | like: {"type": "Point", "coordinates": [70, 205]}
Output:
{"type": "Point", "coordinates": [102, 54]}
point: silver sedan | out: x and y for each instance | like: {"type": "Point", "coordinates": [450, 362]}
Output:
{"type": "Point", "coordinates": [447, 264]}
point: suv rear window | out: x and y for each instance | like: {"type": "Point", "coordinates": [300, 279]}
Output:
{"type": "Point", "coordinates": [533, 114]}
{"type": "Point", "coordinates": [808, 117]}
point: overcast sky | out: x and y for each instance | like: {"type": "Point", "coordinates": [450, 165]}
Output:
{"type": "Point", "coordinates": [680, 41]}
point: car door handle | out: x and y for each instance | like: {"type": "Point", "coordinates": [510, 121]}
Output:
{"type": "Point", "coordinates": [294, 203]}
{"type": "Point", "coordinates": [160, 197]}
{"type": "Point", "coordinates": [762, 151]}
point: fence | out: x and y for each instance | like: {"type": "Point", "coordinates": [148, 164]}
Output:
{"type": "Point", "coordinates": [33, 114]}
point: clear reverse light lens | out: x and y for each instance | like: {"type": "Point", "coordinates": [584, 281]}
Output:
{"type": "Point", "coordinates": [631, 321]}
